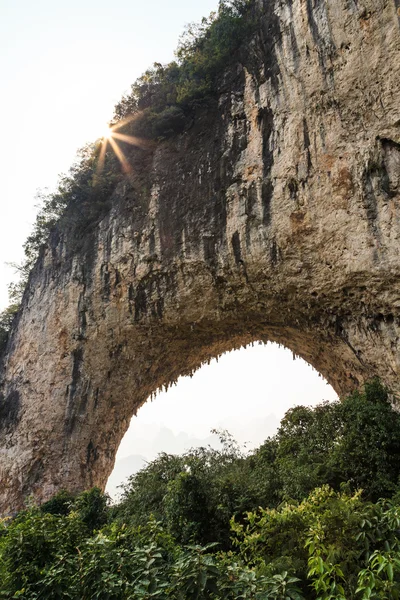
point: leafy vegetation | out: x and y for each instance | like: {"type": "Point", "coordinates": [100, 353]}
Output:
{"type": "Point", "coordinates": [356, 441]}
{"type": "Point", "coordinates": [219, 524]}
{"type": "Point", "coordinates": [161, 99]}
{"type": "Point", "coordinates": [6, 321]}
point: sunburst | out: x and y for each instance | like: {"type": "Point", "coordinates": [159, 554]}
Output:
{"type": "Point", "coordinates": [110, 135]}
{"type": "Point", "coordinates": [107, 133]}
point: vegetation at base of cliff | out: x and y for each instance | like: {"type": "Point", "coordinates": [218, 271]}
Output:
{"type": "Point", "coordinates": [158, 105]}
{"type": "Point", "coordinates": [285, 522]}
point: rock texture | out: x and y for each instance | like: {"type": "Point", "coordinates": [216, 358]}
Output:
{"type": "Point", "coordinates": [276, 216]}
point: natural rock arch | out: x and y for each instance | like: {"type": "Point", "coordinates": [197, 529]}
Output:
{"type": "Point", "coordinates": [275, 217]}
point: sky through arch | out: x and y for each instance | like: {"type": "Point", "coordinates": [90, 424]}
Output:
{"type": "Point", "coordinates": [245, 391]}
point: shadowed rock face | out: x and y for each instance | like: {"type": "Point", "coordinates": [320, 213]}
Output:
{"type": "Point", "coordinates": [274, 217]}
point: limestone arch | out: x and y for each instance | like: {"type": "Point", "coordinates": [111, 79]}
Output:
{"type": "Point", "coordinates": [275, 216]}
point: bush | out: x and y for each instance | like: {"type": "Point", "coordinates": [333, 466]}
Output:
{"type": "Point", "coordinates": [191, 526]}
{"type": "Point", "coordinates": [204, 51]}
{"type": "Point", "coordinates": [356, 440]}
{"type": "Point", "coordinates": [328, 546]}
{"type": "Point", "coordinates": [158, 125]}
{"type": "Point", "coordinates": [6, 321]}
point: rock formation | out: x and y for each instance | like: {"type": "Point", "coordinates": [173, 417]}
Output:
{"type": "Point", "coordinates": [276, 216]}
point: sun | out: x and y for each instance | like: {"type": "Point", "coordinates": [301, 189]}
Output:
{"type": "Point", "coordinates": [109, 140]}
{"type": "Point", "coordinates": [107, 133]}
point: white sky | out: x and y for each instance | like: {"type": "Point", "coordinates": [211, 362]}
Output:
{"type": "Point", "coordinates": [246, 391]}
{"type": "Point", "coordinates": [63, 66]}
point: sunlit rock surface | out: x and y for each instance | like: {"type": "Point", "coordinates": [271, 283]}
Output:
{"type": "Point", "coordinates": [275, 216]}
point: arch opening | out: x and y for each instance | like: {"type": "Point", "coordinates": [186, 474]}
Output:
{"type": "Point", "coordinates": [246, 392]}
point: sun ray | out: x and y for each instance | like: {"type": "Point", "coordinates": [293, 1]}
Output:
{"type": "Point", "coordinates": [108, 138]}
{"type": "Point", "coordinates": [120, 155]}
{"type": "Point", "coordinates": [102, 158]}
{"type": "Point", "coordinates": [108, 132]}
{"type": "Point", "coordinates": [124, 122]}
{"type": "Point", "coordinates": [131, 139]}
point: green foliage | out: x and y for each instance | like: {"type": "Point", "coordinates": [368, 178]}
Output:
{"type": "Point", "coordinates": [82, 198]}
{"type": "Point", "coordinates": [51, 556]}
{"type": "Point", "coordinates": [367, 451]}
{"type": "Point", "coordinates": [34, 547]}
{"type": "Point", "coordinates": [284, 587]}
{"type": "Point", "coordinates": [6, 321]}
{"type": "Point", "coordinates": [91, 507]}
{"type": "Point", "coordinates": [195, 495]}
{"type": "Point", "coordinates": [322, 539]}
{"type": "Point", "coordinates": [209, 538]}
{"type": "Point", "coordinates": [305, 438]}
{"type": "Point", "coordinates": [208, 47]}
{"type": "Point", "coordinates": [356, 440]}
{"type": "Point", "coordinates": [158, 125]}
{"type": "Point", "coordinates": [381, 579]}
{"type": "Point", "coordinates": [241, 582]}
{"type": "Point", "coordinates": [159, 100]}
{"type": "Point", "coordinates": [196, 574]}
{"type": "Point", "coordinates": [145, 492]}
{"type": "Point", "coordinates": [61, 504]}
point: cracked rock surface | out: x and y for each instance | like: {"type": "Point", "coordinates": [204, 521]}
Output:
{"type": "Point", "coordinates": [274, 217]}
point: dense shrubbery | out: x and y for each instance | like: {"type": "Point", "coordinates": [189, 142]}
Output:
{"type": "Point", "coordinates": [356, 441]}
{"type": "Point", "coordinates": [192, 526]}
{"type": "Point", "coordinates": [165, 92]}
{"type": "Point", "coordinates": [6, 321]}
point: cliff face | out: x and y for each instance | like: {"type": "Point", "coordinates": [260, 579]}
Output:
{"type": "Point", "coordinates": [275, 217]}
